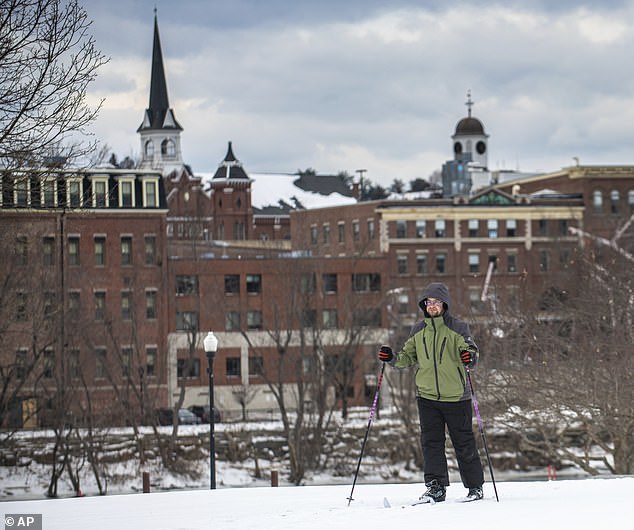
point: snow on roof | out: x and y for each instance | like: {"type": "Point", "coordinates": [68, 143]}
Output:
{"type": "Point", "coordinates": [268, 189]}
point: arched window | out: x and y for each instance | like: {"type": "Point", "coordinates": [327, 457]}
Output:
{"type": "Point", "coordinates": [168, 147]}
{"type": "Point", "coordinates": [149, 148]}
{"type": "Point", "coordinates": [597, 201]}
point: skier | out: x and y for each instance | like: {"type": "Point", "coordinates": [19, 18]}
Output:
{"type": "Point", "coordinates": [442, 347]}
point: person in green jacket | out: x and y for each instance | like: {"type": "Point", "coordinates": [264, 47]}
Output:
{"type": "Point", "coordinates": [442, 349]}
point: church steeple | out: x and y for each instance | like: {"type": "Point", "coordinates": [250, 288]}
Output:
{"type": "Point", "coordinates": [160, 132]}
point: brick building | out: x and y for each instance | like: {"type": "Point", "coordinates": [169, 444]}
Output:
{"type": "Point", "coordinates": [131, 268]}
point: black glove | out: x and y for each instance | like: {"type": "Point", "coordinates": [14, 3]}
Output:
{"type": "Point", "coordinates": [385, 354]}
{"type": "Point", "coordinates": [466, 357]}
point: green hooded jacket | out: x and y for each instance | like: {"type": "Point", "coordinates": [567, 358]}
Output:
{"type": "Point", "coordinates": [434, 346]}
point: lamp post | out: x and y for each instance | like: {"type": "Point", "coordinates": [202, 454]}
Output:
{"type": "Point", "coordinates": [211, 346]}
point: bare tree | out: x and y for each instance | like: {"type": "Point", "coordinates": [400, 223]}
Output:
{"type": "Point", "coordinates": [47, 59]}
{"type": "Point", "coordinates": [568, 398]}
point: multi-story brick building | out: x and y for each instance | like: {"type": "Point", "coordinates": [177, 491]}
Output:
{"type": "Point", "coordinates": [83, 304]}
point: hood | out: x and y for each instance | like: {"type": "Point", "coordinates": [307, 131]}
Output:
{"type": "Point", "coordinates": [435, 290]}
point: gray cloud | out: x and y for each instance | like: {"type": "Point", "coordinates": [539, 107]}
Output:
{"type": "Point", "coordinates": [374, 85]}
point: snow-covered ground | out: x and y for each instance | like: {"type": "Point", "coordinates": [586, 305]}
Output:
{"type": "Point", "coordinates": [580, 504]}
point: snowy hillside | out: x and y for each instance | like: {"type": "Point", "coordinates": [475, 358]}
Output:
{"type": "Point", "coordinates": [580, 504]}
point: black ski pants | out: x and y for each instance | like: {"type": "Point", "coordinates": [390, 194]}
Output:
{"type": "Point", "coordinates": [457, 417]}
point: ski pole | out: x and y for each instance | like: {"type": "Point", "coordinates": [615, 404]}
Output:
{"type": "Point", "coordinates": [365, 438]}
{"type": "Point", "coordinates": [481, 427]}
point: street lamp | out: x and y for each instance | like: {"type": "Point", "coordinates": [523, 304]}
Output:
{"type": "Point", "coordinates": [211, 346]}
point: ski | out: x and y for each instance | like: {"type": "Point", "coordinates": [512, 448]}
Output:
{"type": "Point", "coordinates": [469, 498]}
{"type": "Point", "coordinates": [426, 500]}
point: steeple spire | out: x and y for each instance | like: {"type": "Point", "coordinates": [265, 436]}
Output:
{"type": "Point", "coordinates": [158, 115]}
{"type": "Point", "coordinates": [160, 132]}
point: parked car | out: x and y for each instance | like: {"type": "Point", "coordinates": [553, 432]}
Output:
{"type": "Point", "coordinates": [202, 411]}
{"type": "Point", "coordinates": [187, 417]}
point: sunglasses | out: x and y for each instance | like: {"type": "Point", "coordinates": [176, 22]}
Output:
{"type": "Point", "coordinates": [432, 301]}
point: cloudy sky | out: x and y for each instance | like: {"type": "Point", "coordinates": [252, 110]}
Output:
{"type": "Point", "coordinates": [342, 85]}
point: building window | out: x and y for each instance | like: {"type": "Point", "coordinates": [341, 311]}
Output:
{"type": "Point", "coordinates": [563, 227]}
{"type": "Point", "coordinates": [421, 264]}
{"type": "Point", "coordinates": [100, 251]}
{"type": "Point", "coordinates": [100, 363]}
{"type": "Point", "coordinates": [341, 230]}
{"type": "Point", "coordinates": [239, 231]}
{"type": "Point", "coordinates": [325, 230]}
{"type": "Point", "coordinates": [597, 201]}
{"type": "Point", "coordinates": [150, 194]}
{"type": "Point", "coordinates": [232, 321]}
{"type": "Point", "coordinates": [126, 303]}
{"type": "Point", "coordinates": [254, 320]}
{"type": "Point", "coordinates": [100, 305]}
{"type": "Point", "coordinates": [74, 194]}
{"type": "Point", "coordinates": [49, 363]}
{"type": "Point", "coordinates": [473, 226]}
{"type": "Point", "coordinates": [474, 262]}
{"type": "Point", "coordinates": [511, 263]}
{"type": "Point", "coordinates": [371, 229]}
{"type": "Point", "coordinates": [149, 149]}
{"type": "Point", "coordinates": [74, 304]}
{"type": "Point", "coordinates": [401, 263]}
{"type": "Point", "coordinates": [74, 364]}
{"type": "Point", "coordinates": [254, 283]}
{"type": "Point", "coordinates": [367, 317]}
{"type": "Point", "coordinates": [22, 193]}
{"type": "Point", "coordinates": [232, 366]}
{"type": "Point", "coordinates": [308, 318]}
{"type": "Point", "coordinates": [308, 283]}
{"type": "Point", "coordinates": [151, 354]}
{"type": "Point", "coordinates": [403, 304]}
{"type": "Point", "coordinates": [401, 229]}
{"type": "Point", "coordinates": [186, 285]}
{"type": "Point", "coordinates": [313, 235]}
{"type": "Point", "coordinates": [329, 318]}
{"type": "Point", "coordinates": [232, 284]}
{"type": "Point", "coordinates": [99, 195]}
{"type": "Point", "coordinates": [330, 283]}
{"type": "Point", "coordinates": [492, 228]}
{"type": "Point", "coordinates": [355, 230]}
{"type": "Point", "coordinates": [186, 321]}
{"type": "Point", "coordinates": [630, 200]}
{"type": "Point", "coordinates": [542, 227]}
{"type": "Point", "coordinates": [362, 283]}
{"type": "Point", "coordinates": [511, 228]}
{"type": "Point", "coordinates": [73, 250]}
{"type": "Point", "coordinates": [256, 365]}
{"type": "Point", "coordinates": [48, 194]}
{"type": "Point", "coordinates": [126, 250]}
{"type": "Point", "coordinates": [441, 263]}
{"type": "Point", "coordinates": [126, 190]}
{"type": "Point", "coordinates": [544, 261]}
{"type": "Point", "coordinates": [48, 251]}
{"type": "Point", "coordinates": [150, 304]}
{"type": "Point", "coordinates": [614, 201]}
{"type": "Point", "coordinates": [188, 368]}
{"type": "Point", "coordinates": [168, 148]}
{"type": "Point", "coordinates": [150, 250]}
{"type": "Point", "coordinates": [421, 228]}
{"type": "Point", "coordinates": [49, 303]}
{"type": "Point", "coordinates": [475, 301]}
{"type": "Point", "coordinates": [439, 228]}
